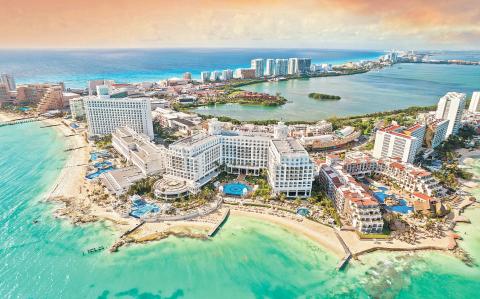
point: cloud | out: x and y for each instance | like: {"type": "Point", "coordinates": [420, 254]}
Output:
{"type": "Point", "coordinates": [235, 23]}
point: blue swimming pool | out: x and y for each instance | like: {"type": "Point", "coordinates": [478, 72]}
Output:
{"type": "Point", "coordinates": [97, 173]}
{"type": "Point", "coordinates": [402, 208]}
{"type": "Point", "coordinates": [236, 189]}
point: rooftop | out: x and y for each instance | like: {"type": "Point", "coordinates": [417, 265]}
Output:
{"type": "Point", "coordinates": [288, 146]}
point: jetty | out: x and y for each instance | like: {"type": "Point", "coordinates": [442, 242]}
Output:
{"type": "Point", "coordinates": [74, 148]}
{"type": "Point", "coordinates": [348, 254]}
{"type": "Point", "coordinates": [133, 229]}
{"type": "Point", "coordinates": [215, 229]}
{"type": "Point", "coordinates": [48, 126]}
{"type": "Point", "coordinates": [19, 121]}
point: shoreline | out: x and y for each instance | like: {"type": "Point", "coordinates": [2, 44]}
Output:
{"type": "Point", "coordinates": [80, 208]}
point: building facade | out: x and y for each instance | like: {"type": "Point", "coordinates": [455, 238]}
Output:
{"type": "Point", "coordinates": [258, 66]}
{"type": "Point", "coordinates": [104, 116]}
{"type": "Point", "coordinates": [450, 107]}
{"type": "Point", "coordinates": [397, 142]}
{"type": "Point", "coordinates": [474, 102]}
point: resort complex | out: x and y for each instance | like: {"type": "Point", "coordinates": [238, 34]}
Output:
{"type": "Point", "coordinates": [145, 161]}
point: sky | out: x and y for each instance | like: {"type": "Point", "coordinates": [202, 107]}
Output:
{"type": "Point", "coordinates": [346, 24]}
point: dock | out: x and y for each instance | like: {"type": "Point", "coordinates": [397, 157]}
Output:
{"type": "Point", "coordinates": [19, 121]}
{"type": "Point", "coordinates": [348, 254]}
{"type": "Point", "coordinates": [215, 229]}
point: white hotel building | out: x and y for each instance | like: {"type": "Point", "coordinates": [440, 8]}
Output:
{"type": "Point", "coordinates": [397, 142]}
{"type": "Point", "coordinates": [450, 107]}
{"type": "Point", "coordinates": [199, 158]}
{"type": "Point", "coordinates": [105, 115]}
{"type": "Point", "coordinates": [290, 170]}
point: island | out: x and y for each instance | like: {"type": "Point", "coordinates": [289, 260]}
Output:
{"type": "Point", "coordinates": [323, 96]}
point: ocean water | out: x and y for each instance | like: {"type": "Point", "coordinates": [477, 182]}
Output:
{"type": "Point", "coordinates": [247, 259]}
{"type": "Point", "coordinates": [76, 67]}
{"type": "Point", "coordinates": [399, 86]}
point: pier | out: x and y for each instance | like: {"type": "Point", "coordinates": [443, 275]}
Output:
{"type": "Point", "coordinates": [48, 126]}
{"type": "Point", "coordinates": [348, 254]}
{"type": "Point", "coordinates": [133, 229]}
{"type": "Point", "coordinates": [19, 121]}
{"type": "Point", "coordinates": [215, 229]}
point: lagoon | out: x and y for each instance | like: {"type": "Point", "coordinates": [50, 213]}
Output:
{"type": "Point", "coordinates": [396, 87]}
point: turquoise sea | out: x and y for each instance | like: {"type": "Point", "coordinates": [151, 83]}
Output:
{"type": "Point", "coordinates": [76, 67]}
{"type": "Point", "coordinates": [247, 259]}
{"type": "Point", "coordinates": [399, 86]}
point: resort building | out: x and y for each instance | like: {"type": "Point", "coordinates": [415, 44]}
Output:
{"type": "Point", "coordinates": [77, 108]}
{"type": "Point", "coordinates": [292, 66]}
{"type": "Point", "coordinates": [92, 85]}
{"type": "Point", "coordinates": [436, 133]}
{"type": "Point", "coordinates": [205, 76]}
{"type": "Point", "coordinates": [397, 142]}
{"type": "Point", "coordinates": [290, 169]}
{"type": "Point", "coordinates": [104, 116]}
{"type": "Point", "coordinates": [351, 199]}
{"type": "Point", "coordinates": [31, 93]}
{"type": "Point", "coordinates": [245, 73]}
{"type": "Point", "coordinates": [258, 66]}
{"type": "Point", "coordinates": [139, 150]}
{"type": "Point", "coordinates": [215, 76]}
{"type": "Point", "coordinates": [4, 95]}
{"type": "Point", "coordinates": [450, 107]}
{"type": "Point", "coordinates": [118, 181]}
{"type": "Point", "coordinates": [474, 102]}
{"type": "Point", "coordinates": [227, 75]}
{"type": "Point", "coordinates": [405, 175]}
{"type": "Point", "coordinates": [52, 100]}
{"type": "Point", "coordinates": [195, 159]}
{"type": "Point", "coordinates": [281, 67]}
{"type": "Point", "coordinates": [9, 82]}
{"type": "Point", "coordinates": [269, 67]}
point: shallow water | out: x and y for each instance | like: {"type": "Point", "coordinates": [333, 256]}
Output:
{"type": "Point", "coordinates": [247, 259]}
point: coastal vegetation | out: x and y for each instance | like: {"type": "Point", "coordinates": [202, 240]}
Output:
{"type": "Point", "coordinates": [143, 187]}
{"type": "Point", "coordinates": [165, 135]}
{"type": "Point", "coordinates": [323, 96]}
{"type": "Point", "coordinates": [104, 142]}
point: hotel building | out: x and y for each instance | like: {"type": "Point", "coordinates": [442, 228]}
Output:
{"type": "Point", "coordinates": [450, 107]}
{"type": "Point", "coordinates": [104, 116]}
{"type": "Point", "coordinates": [281, 67]}
{"type": "Point", "coordinates": [351, 199]}
{"type": "Point", "coordinates": [205, 76]}
{"type": "Point", "coordinates": [227, 75]}
{"type": "Point", "coordinates": [397, 142]}
{"type": "Point", "coordinates": [436, 133]}
{"type": "Point", "coordinates": [475, 102]}
{"type": "Point", "coordinates": [194, 161]}
{"type": "Point", "coordinates": [52, 100]}
{"type": "Point", "coordinates": [290, 169]}
{"type": "Point", "coordinates": [258, 66]}
{"type": "Point", "coordinates": [9, 82]}
{"type": "Point", "coordinates": [77, 108]}
{"type": "Point", "coordinates": [139, 150]}
{"type": "Point", "coordinates": [269, 67]}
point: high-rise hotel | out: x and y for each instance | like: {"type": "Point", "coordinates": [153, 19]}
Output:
{"type": "Point", "coordinates": [450, 107]}
{"type": "Point", "coordinates": [104, 115]}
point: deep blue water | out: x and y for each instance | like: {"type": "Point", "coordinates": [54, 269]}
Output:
{"type": "Point", "coordinates": [76, 67]}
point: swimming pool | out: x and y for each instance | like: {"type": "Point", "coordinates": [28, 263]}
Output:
{"type": "Point", "coordinates": [402, 208]}
{"type": "Point", "coordinates": [236, 189]}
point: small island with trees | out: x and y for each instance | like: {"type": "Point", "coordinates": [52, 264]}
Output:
{"type": "Point", "coordinates": [323, 96]}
